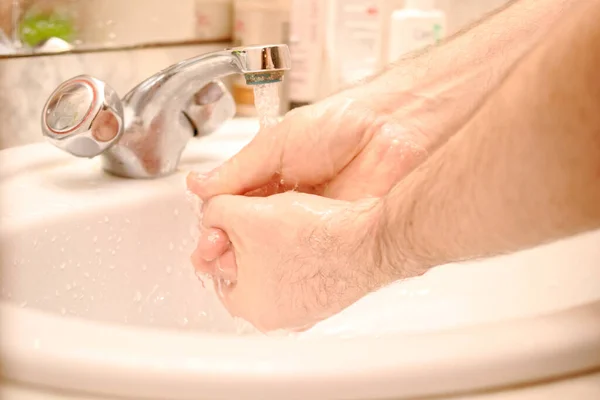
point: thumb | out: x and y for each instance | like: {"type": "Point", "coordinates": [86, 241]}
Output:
{"type": "Point", "coordinates": [228, 213]}
{"type": "Point", "coordinates": [254, 166]}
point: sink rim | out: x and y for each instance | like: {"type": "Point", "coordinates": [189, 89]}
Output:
{"type": "Point", "coordinates": [555, 344]}
{"type": "Point", "coordinates": [358, 367]}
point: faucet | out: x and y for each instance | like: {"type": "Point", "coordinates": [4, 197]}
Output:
{"type": "Point", "coordinates": [144, 134]}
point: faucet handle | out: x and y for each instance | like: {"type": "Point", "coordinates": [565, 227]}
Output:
{"type": "Point", "coordinates": [83, 116]}
{"type": "Point", "coordinates": [210, 107]}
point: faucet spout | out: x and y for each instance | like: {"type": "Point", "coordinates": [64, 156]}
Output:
{"type": "Point", "coordinates": [152, 123]}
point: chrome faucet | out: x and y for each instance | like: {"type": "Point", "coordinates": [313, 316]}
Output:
{"type": "Point", "coordinates": [144, 134]}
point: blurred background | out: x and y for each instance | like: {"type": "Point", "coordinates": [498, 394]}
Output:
{"type": "Point", "coordinates": [333, 43]}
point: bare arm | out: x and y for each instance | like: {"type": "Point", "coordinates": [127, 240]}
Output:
{"type": "Point", "coordinates": [525, 170]}
{"type": "Point", "coordinates": [435, 91]}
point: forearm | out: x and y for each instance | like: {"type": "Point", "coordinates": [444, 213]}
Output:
{"type": "Point", "coordinates": [437, 90]}
{"type": "Point", "coordinates": [523, 171]}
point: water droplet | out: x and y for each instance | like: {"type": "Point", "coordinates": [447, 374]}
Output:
{"type": "Point", "coordinates": [176, 212]}
{"type": "Point", "coordinates": [92, 297]}
{"type": "Point", "coordinates": [53, 239]}
{"type": "Point", "coordinates": [112, 266]}
{"type": "Point", "coordinates": [74, 284]}
{"type": "Point", "coordinates": [184, 242]}
{"type": "Point", "coordinates": [63, 311]}
{"type": "Point", "coordinates": [35, 243]}
{"type": "Point", "coordinates": [24, 304]}
{"type": "Point", "coordinates": [86, 274]}
{"type": "Point", "coordinates": [171, 246]}
{"type": "Point", "coordinates": [144, 267]}
{"type": "Point", "coordinates": [97, 250]}
{"type": "Point", "coordinates": [75, 295]}
{"type": "Point", "coordinates": [184, 322]}
{"type": "Point", "coordinates": [57, 293]}
{"type": "Point", "coordinates": [95, 239]}
{"type": "Point", "coordinates": [87, 228]}
{"type": "Point", "coordinates": [106, 219]}
{"type": "Point", "coordinates": [119, 239]}
{"type": "Point", "coordinates": [169, 269]}
{"type": "Point", "coordinates": [62, 249]}
{"type": "Point", "coordinates": [68, 286]}
{"type": "Point", "coordinates": [63, 265]}
{"type": "Point", "coordinates": [113, 252]}
{"type": "Point", "coordinates": [127, 221]}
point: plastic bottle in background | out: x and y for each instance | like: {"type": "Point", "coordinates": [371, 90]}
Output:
{"type": "Point", "coordinates": [307, 46]}
{"type": "Point", "coordinates": [387, 8]}
{"type": "Point", "coordinates": [259, 22]}
{"type": "Point", "coordinates": [353, 40]}
{"type": "Point", "coordinates": [416, 26]}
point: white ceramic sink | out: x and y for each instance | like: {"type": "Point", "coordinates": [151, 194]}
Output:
{"type": "Point", "coordinates": [98, 296]}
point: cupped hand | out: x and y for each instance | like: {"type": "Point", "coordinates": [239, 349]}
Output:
{"type": "Point", "coordinates": [345, 147]}
{"type": "Point", "coordinates": [294, 258]}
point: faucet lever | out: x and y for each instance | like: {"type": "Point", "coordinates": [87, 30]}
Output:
{"type": "Point", "coordinates": [83, 116]}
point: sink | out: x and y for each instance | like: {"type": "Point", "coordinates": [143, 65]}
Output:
{"type": "Point", "coordinates": [99, 298]}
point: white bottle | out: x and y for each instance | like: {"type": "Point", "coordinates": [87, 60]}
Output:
{"type": "Point", "coordinates": [353, 40]}
{"type": "Point", "coordinates": [307, 46]}
{"type": "Point", "coordinates": [418, 25]}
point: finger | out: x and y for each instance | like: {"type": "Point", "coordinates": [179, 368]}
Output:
{"type": "Point", "coordinates": [212, 243]}
{"type": "Point", "coordinates": [201, 265]}
{"type": "Point", "coordinates": [224, 267]}
{"type": "Point", "coordinates": [228, 213]}
{"type": "Point", "coordinates": [251, 168]}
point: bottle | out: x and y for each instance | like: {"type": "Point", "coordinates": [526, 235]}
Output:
{"type": "Point", "coordinates": [307, 45]}
{"type": "Point", "coordinates": [414, 27]}
{"type": "Point", "coordinates": [353, 39]}
{"type": "Point", "coordinates": [259, 22]}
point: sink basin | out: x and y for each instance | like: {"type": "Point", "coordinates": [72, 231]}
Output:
{"type": "Point", "coordinates": [99, 297]}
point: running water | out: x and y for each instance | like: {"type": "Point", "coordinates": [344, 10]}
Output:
{"type": "Point", "coordinates": [266, 100]}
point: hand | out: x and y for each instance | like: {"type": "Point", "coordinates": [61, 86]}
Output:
{"type": "Point", "coordinates": [345, 147]}
{"type": "Point", "coordinates": [294, 258]}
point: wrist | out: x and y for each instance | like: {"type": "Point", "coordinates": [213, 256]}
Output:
{"type": "Point", "coordinates": [397, 233]}
{"type": "Point", "coordinates": [389, 257]}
